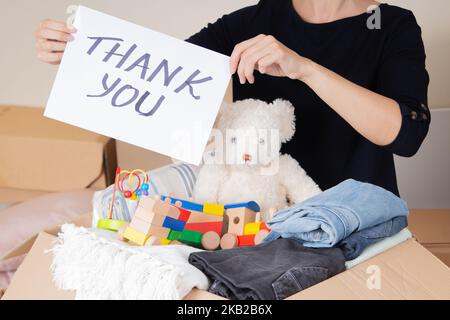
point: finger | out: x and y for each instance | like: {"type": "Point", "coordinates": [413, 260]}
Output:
{"type": "Point", "coordinates": [49, 34]}
{"type": "Point", "coordinates": [247, 66]}
{"type": "Point", "coordinates": [251, 56]}
{"type": "Point", "coordinates": [50, 57]}
{"type": "Point", "coordinates": [239, 48]}
{"type": "Point", "coordinates": [51, 46]}
{"type": "Point", "coordinates": [57, 26]}
{"type": "Point", "coordinates": [265, 62]}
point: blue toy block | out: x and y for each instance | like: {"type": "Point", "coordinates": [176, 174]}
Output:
{"type": "Point", "coordinates": [188, 205]}
{"type": "Point", "coordinates": [174, 224]}
{"type": "Point", "coordinates": [252, 205]}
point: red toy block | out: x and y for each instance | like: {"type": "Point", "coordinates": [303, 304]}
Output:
{"type": "Point", "coordinates": [246, 240]}
{"type": "Point", "coordinates": [204, 227]}
{"type": "Point", "coordinates": [184, 214]}
{"type": "Point", "coordinates": [264, 226]}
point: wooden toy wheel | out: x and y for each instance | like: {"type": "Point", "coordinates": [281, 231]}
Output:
{"type": "Point", "coordinates": [260, 236]}
{"type": "Point", "coordinates": [121, 231]}
{"type": "Point", "coordinates": [229, 241]}
{"type": "Point", "coordinates": [210, 240]}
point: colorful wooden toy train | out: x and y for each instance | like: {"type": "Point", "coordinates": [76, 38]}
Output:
{"type": "Point", "coordinates": [209, 226]}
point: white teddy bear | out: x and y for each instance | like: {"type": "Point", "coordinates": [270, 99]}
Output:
{"type": "Point", "coordinates": [243, 163]}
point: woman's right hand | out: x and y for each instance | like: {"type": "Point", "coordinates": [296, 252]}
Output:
{"type": "Point", "coordinates": [51, 39]}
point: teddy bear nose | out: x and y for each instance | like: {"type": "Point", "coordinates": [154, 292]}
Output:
{"type": "Point", "coordinates": [247, 157]}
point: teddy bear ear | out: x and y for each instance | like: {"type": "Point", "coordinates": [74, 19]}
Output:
{"type": "Point", "coordinates": [284, 111]}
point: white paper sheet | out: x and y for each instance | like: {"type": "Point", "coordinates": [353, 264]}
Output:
{"type": "Point", "coordinates": [169, 109]}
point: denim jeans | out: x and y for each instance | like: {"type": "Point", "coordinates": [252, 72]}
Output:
{"type": "Point", "coordinates": [353, 245]}
{"type": "Point", "coordinates": [333, 215]}
{"type": "Point", "coordinates": [271, 270]}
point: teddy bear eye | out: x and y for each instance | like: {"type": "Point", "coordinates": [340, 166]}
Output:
{"type": "Point", "coordinates": [262, 141]}
{"type": "Point", "coordinates": [233, 140]}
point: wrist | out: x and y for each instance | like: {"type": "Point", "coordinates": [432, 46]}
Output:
{"type": "Point", "coordinates": [307, 70]}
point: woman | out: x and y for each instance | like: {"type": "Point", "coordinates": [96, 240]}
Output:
{"type": "Point", "coordinates": [360, 93]}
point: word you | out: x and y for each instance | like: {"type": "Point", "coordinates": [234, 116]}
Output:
{"type": "Point", "coordinates": [124, 94]}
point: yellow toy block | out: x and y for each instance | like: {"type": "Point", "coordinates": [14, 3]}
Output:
{"type": "Point", "coordinates": [164, 241]}
{"type": "Point", "coordinates": [252, 228]}
{"type": "Point", "coordinates": [135, 236]}
{"type": "Point", "coordinates": [213, 208]}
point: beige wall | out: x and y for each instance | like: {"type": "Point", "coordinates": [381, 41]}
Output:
{"type": "Point", "coordinates": [25, 81]}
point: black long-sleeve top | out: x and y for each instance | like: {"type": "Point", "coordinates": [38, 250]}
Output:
{"type": "Point", "coordinates": [389, 60]}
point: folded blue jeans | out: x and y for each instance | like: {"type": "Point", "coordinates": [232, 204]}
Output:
{"type": "Point", "coordinates": [353, 245]}
{"type": "Point", "coordinates": [268, 271]}
{"type": "Point", "coordinates": [333, 215]}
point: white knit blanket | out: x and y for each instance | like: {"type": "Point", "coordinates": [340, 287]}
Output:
{"type": "Point", "coordinates": [97, 266]}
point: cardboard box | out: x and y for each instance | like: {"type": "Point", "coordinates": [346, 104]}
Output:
{"type": "Point", "coordinates": [40, 154]}
{"type": "Point", "coordinates": [431, 227]}
{"type": "Point", "coordinates": [407, 271]}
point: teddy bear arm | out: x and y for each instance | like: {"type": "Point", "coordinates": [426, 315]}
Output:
{"type": "Point", "coordinates": [299, 186]}
{"type": "Point", "coordinates": [207, 185]}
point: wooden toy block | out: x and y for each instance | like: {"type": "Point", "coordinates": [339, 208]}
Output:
{"type": "Point", "coordinates": [260, 236]}
{"type": "Point", "coordinates": [205, 227]}
{"type": "Point", "coordinates": [121, 231]}
{"type": "Point", "coordinates": [174, 224]}
{"type": "Point", "coordinates": [252, 228]}
{"type": "Point", "coordinates": [196, 216]}
{"type": "Point", "coordinates": [164, 241]}
{"type": "Point", "coordinates": [174, 235]}
{"type": "Point", "coordinates": [229, 241]}
{"type": "Point", "coordinates": [252, 205]}
{"type": "Point", "coordinates": [238, 218]}
{"type": "Point", "coordinates": [144, 209]}
{"type": "Point", "coordinates": [158, 231]}
{"type": "Point", "coordinates": [140, 225]}
{"type": "Point", "coordinates": [188, 205]}
{"type": "Point", "coordinates": [264, 227]}
{"type": "Point", "coordinates": [175, 242]}
{"type": "Point", "coordinates": [246, 240]}
{"type": "Point", "coordinates": [147, 202]}
{"type": "Point", "coordinates": [210, 240]}
{"type": "Point", "coordinates": [152, 241]}
{"type": "Point", "coordinates": [213, 208]}
{"type": "Point", "coordinates": [135, 236]}
{"type": "Point", "coordinates": [152, 219]}
{"type": "Point", "coordinates": [184, 214]}
{"type": "Point", "coordinates": [192, 238]}
{"type": "Point", "coordinates": [144, 213]}
{"type": "Point", "coordinates": [164, 209]}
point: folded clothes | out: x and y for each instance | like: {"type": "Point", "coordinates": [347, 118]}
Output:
{"type": "Point", "coordinates": [379, 247]}
{"type": "Point", "coordinates": [353, 245]}
{"type": "Point", "coordinates": [333, 215]}
{"type": "Point", "coordinates": [271, 270]}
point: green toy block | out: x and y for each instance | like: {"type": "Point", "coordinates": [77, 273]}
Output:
{"type": "Point", "coordinates": [174, 235]}
{"type": "Point", "coordinates": [192, 238]}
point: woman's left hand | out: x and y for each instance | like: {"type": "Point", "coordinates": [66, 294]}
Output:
{"type": "Point", "coordinates": [269, 56]}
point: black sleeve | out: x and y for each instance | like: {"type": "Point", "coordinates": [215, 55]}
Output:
{"type": "Point", "coordinates": [222, 35]}
{"type": "Point", "coordinates": [402, 76]}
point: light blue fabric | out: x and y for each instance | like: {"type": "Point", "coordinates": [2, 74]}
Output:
{"type": "Point", "coordinates": [331, 216]}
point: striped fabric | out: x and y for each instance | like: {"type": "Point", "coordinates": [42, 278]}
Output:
{"type": "Point", "coordinates": [177, 179]}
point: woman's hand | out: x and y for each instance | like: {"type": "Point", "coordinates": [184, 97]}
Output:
{"type": "Point", "coordinates": [51, 39]}
{"type": "Point", "coordinates": [269, 56]}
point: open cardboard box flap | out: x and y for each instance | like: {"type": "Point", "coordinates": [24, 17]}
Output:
{"type": "Point", "coordinates": [55, 149]}
{"type": "Point", "coordinates": [431, 228]}
{"type": "Point", "coordinates": [407, 271]}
